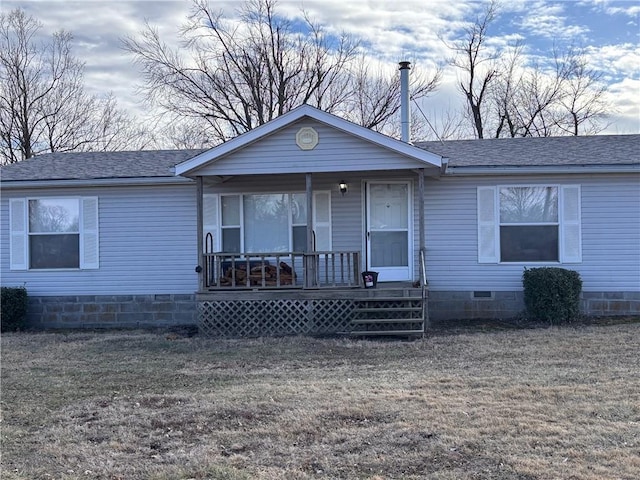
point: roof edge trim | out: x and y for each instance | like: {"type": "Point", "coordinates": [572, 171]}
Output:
{"type": "Point", "coordinates": [95, 182]}
{"type": "Point", "coordinates": [543, 169]}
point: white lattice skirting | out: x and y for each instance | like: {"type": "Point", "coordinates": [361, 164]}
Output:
{"type": "Point", "coordinates": [257, 318]}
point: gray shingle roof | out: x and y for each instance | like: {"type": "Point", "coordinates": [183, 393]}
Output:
{"type": "Point", "coordinates": [539, 151]}
{"type": "Point", "coordinates": [502, 152]}
{"type": "Point", "coordinates": [97, 165]}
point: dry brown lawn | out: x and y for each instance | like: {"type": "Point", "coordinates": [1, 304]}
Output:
{"type": "Point", "coordinates": [547, 403]}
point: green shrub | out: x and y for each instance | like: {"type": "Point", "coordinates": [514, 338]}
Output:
{"type": "Point", "coordinates": [13, 308]}
{"type": "Point", "coordinates": [552, 294]}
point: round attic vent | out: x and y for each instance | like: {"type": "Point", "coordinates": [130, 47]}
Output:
{"type": "Point", "coordinates": [307, 138]}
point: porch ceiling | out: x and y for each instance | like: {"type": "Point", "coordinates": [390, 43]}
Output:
{"type": "Point", "coordinates": [299, 177]}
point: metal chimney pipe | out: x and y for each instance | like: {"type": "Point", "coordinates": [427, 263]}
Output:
{"type": "Point", "coordinates": [405, 115]}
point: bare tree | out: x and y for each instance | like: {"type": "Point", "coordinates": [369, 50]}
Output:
{"type": "Point", "coordinates": [43, 105]}
{"type": "Point", "coordinates": [503, 93]}
{"type": "Point", "coordinates": [478, 66]}
{"type": "Point", "coordinates": [375, 99]}
{"type": "Point", "coordinates": [507, 95]}
{"type": "Point", "coordinates": [563, 98]}
{"type": "Point", "coordinates": [239, 75]}
{"type": "Point", "coordinates": [583, 104]}
{"type": "Point", "coordinates": [185, 134]}
{"type": "Point", "coordinates": [446, 124]}
{"type": "Point", "coordinates": [538, 93]}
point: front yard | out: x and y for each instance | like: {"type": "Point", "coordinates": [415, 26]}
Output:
{"type": "Point", "coordinates": [521, 404]}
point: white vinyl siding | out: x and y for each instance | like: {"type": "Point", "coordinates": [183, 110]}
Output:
{"type": "Point", "coordinates": [147, 243]}
{"type": "Point", "coordinates": [568, 224]}
{"type": "Point", "coordinates": [148, 235]}
{"type": "Point", "coordinates": [87, 230]}
{"type": "Point", "coordinates": [609, 218]}
{"type": "Point", "coordinates": [337, 151]}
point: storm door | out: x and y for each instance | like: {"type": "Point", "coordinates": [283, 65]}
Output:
{"type": "Point", "coordinates": [388, 235]}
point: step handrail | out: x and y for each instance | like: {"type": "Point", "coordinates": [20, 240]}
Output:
{"type": "Point", "coordinates": [424, 285]}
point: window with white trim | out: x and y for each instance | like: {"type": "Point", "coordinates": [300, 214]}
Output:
{"type": "Point", "coordinates": [259, 223]}
{"type": "Point", "coordinates": [54, 233]}
{"type": "Point", "coordinates": [530, 223]}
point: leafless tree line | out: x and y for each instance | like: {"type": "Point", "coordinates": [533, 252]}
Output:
{"type": "Point", "coordinates": [44, 106]}
{"type": "Point", "coordinates": [232, 77]}
{"type": "Point", "coordinates": [506, 97]}
{"type": "Point", "coordinates": [228, 77]}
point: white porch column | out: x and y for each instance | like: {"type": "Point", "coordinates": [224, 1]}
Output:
{"type": "Point", "coordinates": [421, 209]}
{"type": "Point", "coordinates": [199, 227]}
{"type": "Point", "coordinates": [310, 265]}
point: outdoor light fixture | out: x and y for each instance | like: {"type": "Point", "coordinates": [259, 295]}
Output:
{"type": "Point", "coordinates": [343, 187]}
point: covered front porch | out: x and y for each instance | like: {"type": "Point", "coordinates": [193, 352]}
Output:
{"type": "Point", "coordinates": [376, 227]}
{"type": "Point", "coordinates": [292, 217]}
{"type": "Point", "coordinates": [266, 232]}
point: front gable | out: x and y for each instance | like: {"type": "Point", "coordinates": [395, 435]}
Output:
{"type": "Point", "coordinates": [307, 140]}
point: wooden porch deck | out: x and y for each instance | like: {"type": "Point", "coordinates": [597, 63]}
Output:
{"type": "Point", "coordinates": [394, 308]}
{"type": "Point", "coordinates": [317, 293]}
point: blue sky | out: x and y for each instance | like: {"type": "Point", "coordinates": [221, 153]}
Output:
{"type": "Point", "coordinates": [607, 30]}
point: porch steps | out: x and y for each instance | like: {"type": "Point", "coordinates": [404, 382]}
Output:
{"type": "Point", "coordinates": [389, 312]}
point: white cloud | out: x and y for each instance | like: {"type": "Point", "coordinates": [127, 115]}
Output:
{"type": "Point", "coordinates": [616, 61]}
{"type": "Point", "coordinates": [549, 20]}
{"type": "Point", "coordinates": [625, 115]}
{"type": "Point", "coordinates": [392, 31]}
{"type": "Point", "coordinates": [631, 10]}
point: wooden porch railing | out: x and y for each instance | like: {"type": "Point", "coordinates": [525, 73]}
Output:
{"type": "Point", "coordinates": [330, 269]}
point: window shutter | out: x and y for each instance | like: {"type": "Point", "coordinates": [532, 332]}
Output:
{"type": "Point", "coordinates": [89, 246]}
{"type": "Point", "coordinates": [18, 228]}
{"type": "Point", "coordinates": [487, 225]}
{"type": "Point", "coordinates": [322, 220]}
{"type": "Point", "coordinates": [570, 226]}
{"type": "Point", "coordinates": [210, 222]}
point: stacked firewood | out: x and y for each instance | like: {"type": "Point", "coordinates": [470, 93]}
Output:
{"type": "Point", "coordinates": [268, 273]}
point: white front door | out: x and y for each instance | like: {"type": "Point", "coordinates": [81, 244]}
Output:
{"type": "Point", "coordinates": [388, 238]}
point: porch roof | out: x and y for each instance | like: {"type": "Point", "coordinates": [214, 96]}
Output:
{"type": "Point", "coordinates": [205, 163]}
